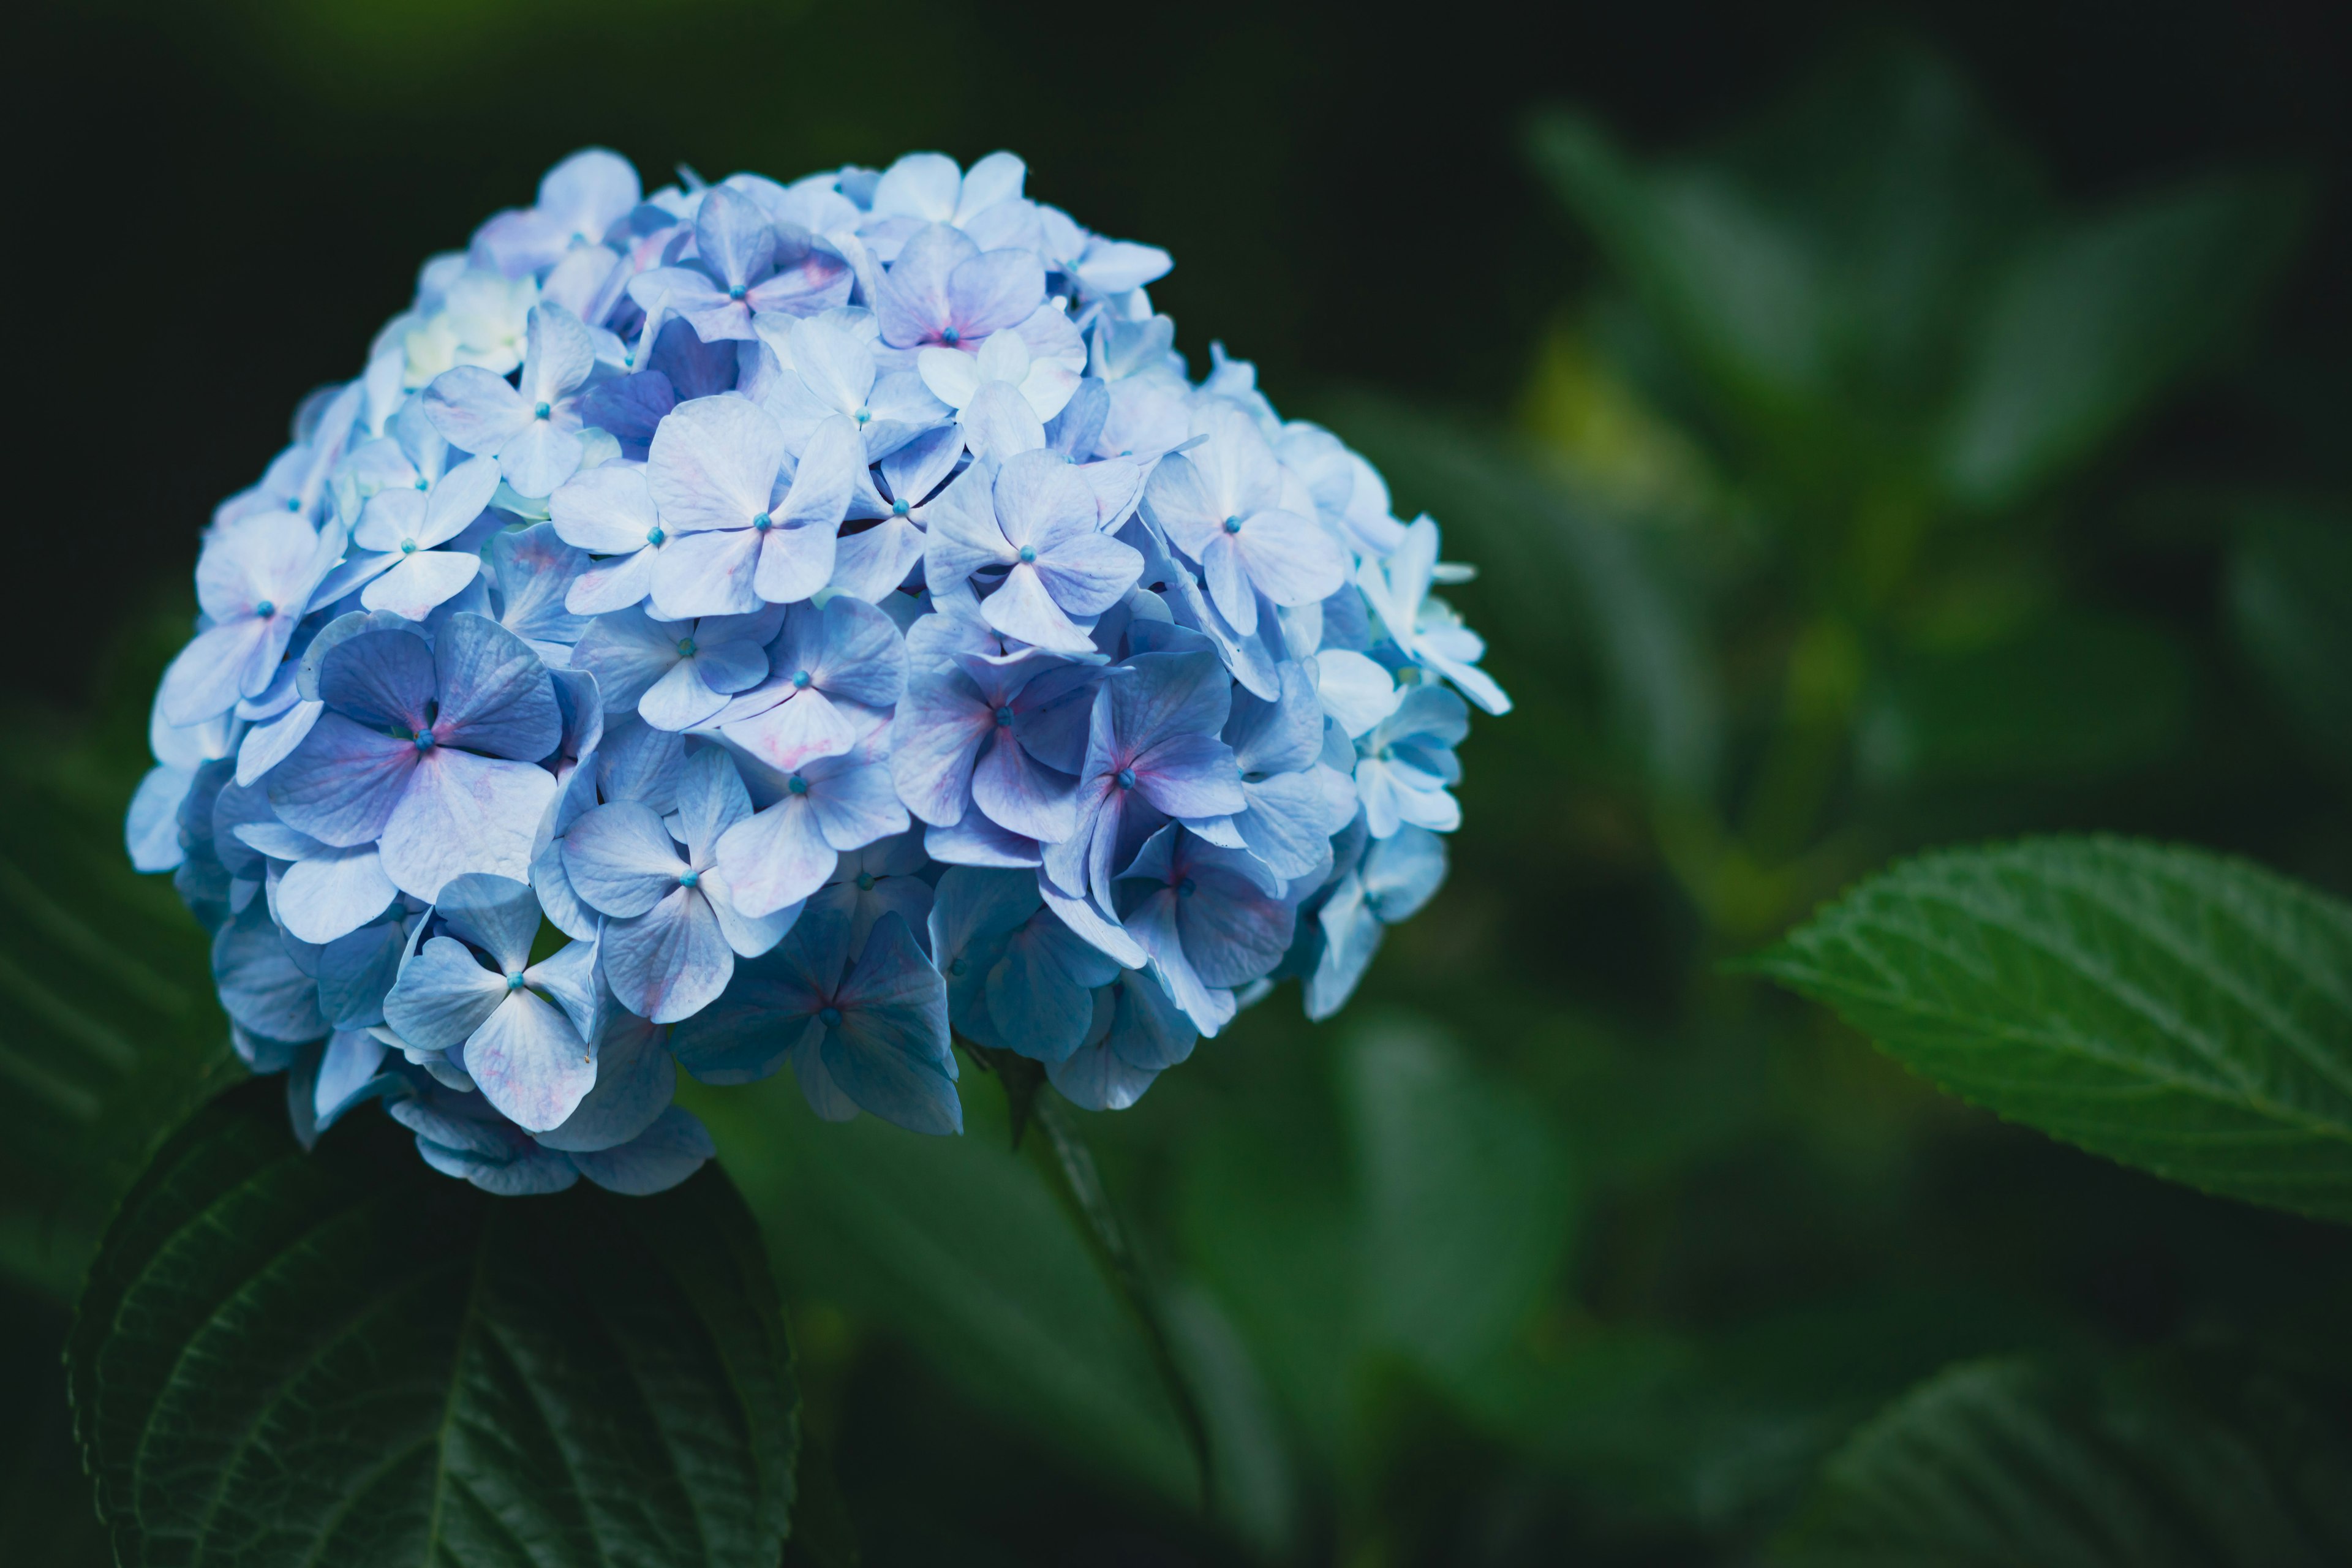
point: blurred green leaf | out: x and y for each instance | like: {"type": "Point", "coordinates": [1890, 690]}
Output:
{"type": "Point", "coordinates": [2068, 699]}
{"type": "Point", "coordinates": [2091, 325]}
{"type": "Point", "coordinates": [2170, 1008]}
{"type": "Point", "coordinates": [1462, 1185]}
{"type": "Point", "coordinates": [1739, 290]}
{"type": "Point", "coordinates": [344, 1356]}
{"type": "Point", "coordinates": [1434, 1239]}
{"type": "Point", "coordinates": [1563, 571]}
{"type": "Point", "coordinates": [959, 1246]}
{"type": "Point", "coordinates": [1725, 1431]}
{"type": "Point", "coordinates": [2017, 1464]}
{"type": "Point", "coordinates": [2290, 597]}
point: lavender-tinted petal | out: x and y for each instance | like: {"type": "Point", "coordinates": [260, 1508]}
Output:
{"type": "Point", "coordinates": [463, 813]}
{"type": "Point", "coordinates": [857, 805]}
{"type": "Point", "coordinates": [620, 858]}
{"type": "Point", "coordinates": [474, 410]}
{"type": "Point", "coordinates": [627, 652]}
{"type": "Point", "coordinates": [708, 574]}
{"type": "Point", "coordinates": [342, 782]}
{"type": "Point", "coordinates": [1090, 574]}
{"type": "Point", "coordinates": [912, 304]}
{"type": "Point", "coordinates": [333, 894]}
{"type": "Point", "coordinates": [795, 733]}
{"type": "Point", "coordinates": [733, 235]}
{"type": "Point", "coordinates": [261, 985]}
{"type": "Point", "coordinates": [1190, 775]}
{"type": "Point", "coordinates": [1024, 608]}
{"type": "Point", "coordinates": [1104, 935]}
{"type": "Point", "coordinates": [995, 289]}
{"type": "Point", "coordinates": [152, 829]}
{"type": "Point", "coordinates": [539, 458]}
{"type": "Point", "coordinates": [1098, 1078]}
{"type": "Point", "coordinates": [608, 510]}
{"type": "Point", "coordinates": [775, 857]}
{"type": "Point", "coordinates": [671, 962]}
{"type": "Point", "coordinates": [794, 562]}
{"type": "Point", "coordinates": [999, 424]}
{"type": "Point", "coordinates": [713, 464]}
{"type": "Point", "coordinates": [418, 583]}
{"type": "Point", "coordinates": [1283, 825]}
{"type": "Point", "coordinates": [675, 1147]}
{"type": "Point", "coordinates": [442, 997]}
{"type": "Point", "coordinates": [636, 1077]}
{"type": "Point", "coordinates": [356, 971]}
{"type": "Point", "coordinates": [347, 1070]}
{"type": "Point", "coordinates": [210, 674]}
{"type": "Point", "coordinates": [934, 741]}
{"type": "Point", "coordinates": [1039, 992]}
{"type": "Point", "coordinates": [680, 698]}
{"type": "Point", "coordinates": [1020, 794]}
{"type": "Point", "coordinates": [530, 1063]}
{"type": "Point", "coordinates": [266, 745]}
{"type": "Point", "coordinates": [496, 697]}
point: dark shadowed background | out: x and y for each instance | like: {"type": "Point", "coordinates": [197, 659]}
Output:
{"type": "Point", "coordinates": [1676, 316]}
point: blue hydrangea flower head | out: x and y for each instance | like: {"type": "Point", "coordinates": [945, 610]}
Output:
{"type": "Point", "coordinates": [752, 624]}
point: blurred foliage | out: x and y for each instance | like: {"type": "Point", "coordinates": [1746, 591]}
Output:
{"type": "Point", "coordinates": [1862, 488]}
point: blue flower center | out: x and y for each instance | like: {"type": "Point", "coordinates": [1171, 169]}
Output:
{"type": "Point", "coordinates": [829, 1017]}
{"type": "Point", "coordinates": [1004, 715]}
{"type": "Point", "coordinates": [800, 679]}
{"type": "Point", "coordinates": [423, 739]}
{"type": "Point", "coordinates": [736, 292]}
{"type": "Point", "coordinates": [685, 648]}
{"type": "Point", "coordinates": [408, 547]}
{"type": "Point", "coordinates": [1233, 525]}
{"type": "Point", "coordinates": [864, 415]}
{"type": "Point", "coordinates": [1126, 778]}
{"type": "Point", "coordinates": [958, 967]}
{"type": "Point", "coordinates": [690, 879]}
{"type": "Point", "coordinates": [423, 484]}
{"type": "Point", "coordinates": [655, 536]}
{"type": "Point", "coordinates": [293, 503]}
{"type": "Point", "coordinates": [899, 509]}
{"type": "Point", "coordinates": [1185, 888]}
{"type": "Point", "coordinates": [514, 981]}
{"type": "Point", "coordinates": [950, 337]}
{"type": "Point", "coordinates": [1028, 556]}
{"type": "Point", "coordinates": [265, 609]}
{"type": "Point", "coordinates": [866, 882]}
{"type": "Point", "coordinates": [796, 785]}
{"type": "Point", "coordinates": [762, 522]}
{"type": "Point", "coordinates": [627, 360]}
{"type": "Point", "coordinates": [540, 410]}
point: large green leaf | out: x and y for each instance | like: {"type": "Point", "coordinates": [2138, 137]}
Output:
{"type": "Point", "coordinates": [961, 1247]}
{"type": "Point", "coordinates": [2013, 1464]}
{"type": "Point", "coordinates": [2090, 326]}
{"type": "Point", "coordinates": [2173, 1009]}
{"type": "Point", "coordinates": [344, 1357]}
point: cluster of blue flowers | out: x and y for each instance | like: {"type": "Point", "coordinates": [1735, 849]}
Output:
{"type": "Point", "coordinates": [755, 623]}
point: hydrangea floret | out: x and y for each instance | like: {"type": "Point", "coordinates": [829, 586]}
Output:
{"type": "Point", "coordinates": [751, 625]}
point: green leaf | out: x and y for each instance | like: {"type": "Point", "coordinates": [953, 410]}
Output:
{"type": "Point", "coordinates": [2017, 1464]}
{"type": "Point", "coordinates": [1434, 1244]}
{"type": "Point", "coordinates": [961, 1246]}
{"type": "Point", "coordinates": [2173, 1009]}
{"type": "Point", "coordinates": [2094, 324]}
{"type": "Point", "coordinates": [1464, 1191]}
{"type": "Point", "coordinates": [1735, 285]}
{"type": "Point", "coordinates": [2290, 598]}
{"type": "Point", "coordinates": [345, 1357]}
